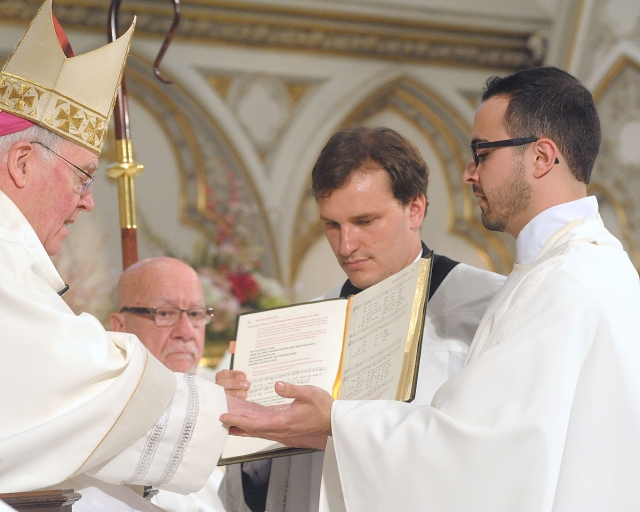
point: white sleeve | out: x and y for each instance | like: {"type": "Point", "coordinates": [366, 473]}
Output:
{"type": "Point", "coordinates": [181, 451]}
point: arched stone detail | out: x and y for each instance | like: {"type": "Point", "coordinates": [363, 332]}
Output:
{"type": "Point", "coordinates": [616, 179]}
{"type": "Point", "coordinates": [206, 159]}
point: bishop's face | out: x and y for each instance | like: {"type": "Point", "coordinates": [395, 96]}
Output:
{"type": "Point", "coordinates": [499, 180]}
{"type": "Point", "coordinates": [372, 234]}
{"type": "Point", "coordinates": [56, 191]}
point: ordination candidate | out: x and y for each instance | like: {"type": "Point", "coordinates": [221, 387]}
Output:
{"type": "Point", "coordinates": [76, 400]}
{"type": "Point", "coordinates": [371, 189]}
{"type": "Point", "coordinates": [545, 414]}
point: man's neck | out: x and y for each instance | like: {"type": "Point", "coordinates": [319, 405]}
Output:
{"type": "Point", "coordinates": [417, 252]}
{"type": "Point", "coordinates": [540, 229]}
{"type": "Point", "coordinates": [517, 225]}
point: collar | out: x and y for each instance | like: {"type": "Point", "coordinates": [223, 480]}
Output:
{"type": "Point", "coordinates": [543, 226]}
{"type": "Point", "coordinates": [17, 224]}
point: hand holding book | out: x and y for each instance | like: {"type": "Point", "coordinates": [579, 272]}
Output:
{"type": "Point", "coordinates": [304, 423]}
{"type": "Point", "coordinates": [365, 347]}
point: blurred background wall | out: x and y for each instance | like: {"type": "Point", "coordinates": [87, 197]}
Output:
{"type": "Point", "coordinates": [259, 87]}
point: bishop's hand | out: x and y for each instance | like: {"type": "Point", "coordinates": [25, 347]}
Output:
{"type": "Point", "coordinates": [305, 423]}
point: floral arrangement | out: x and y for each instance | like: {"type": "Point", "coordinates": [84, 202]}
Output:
{"type": "Point", "coordinates": [228, 265]}
{"type": "Point", "coordinates": [232, 287]}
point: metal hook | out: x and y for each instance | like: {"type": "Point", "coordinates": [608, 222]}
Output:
{"type": "Point", "coordinates": [112, 31]}
{"type": "Point", "coordinates": [114, 8]}
{"type": "Point", "coordinates": [167, 40]}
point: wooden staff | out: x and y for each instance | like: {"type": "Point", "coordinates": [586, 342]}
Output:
{"type": "Point", "coordinates": [126, 169]}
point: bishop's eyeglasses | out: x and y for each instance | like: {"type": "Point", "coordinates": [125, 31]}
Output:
{"type": "Point", "coordinates": [86, 181]}
{"type": "Point", "coordinates": [167, 317]}
{"type": "Point", "coordinates": [475, 146]}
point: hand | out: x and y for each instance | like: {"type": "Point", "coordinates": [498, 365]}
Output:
{"type": "Point", "coordinates": [243, 408]}
{"type": "Point", "coordinates": [304, 423]}
{"type": "Point", "coordinates": [235, 383]}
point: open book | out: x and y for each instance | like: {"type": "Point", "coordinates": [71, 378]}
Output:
{"type": "Point", "coordinates": [365, 347]}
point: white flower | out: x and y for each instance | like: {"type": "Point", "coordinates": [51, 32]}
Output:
{"type": "Point", "coordinates": [268, 286]}
{"type": "Point", "coordinates": [212, 294]}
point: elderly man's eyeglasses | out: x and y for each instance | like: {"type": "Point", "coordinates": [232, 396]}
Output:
{"type": "Point", "coordinates": [86, 182]}
{"type": "Point", "coordinates": [475, 146]}
{"type": "Point", "coordinates": [167, 317]}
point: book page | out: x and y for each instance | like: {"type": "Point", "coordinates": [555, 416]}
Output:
{"type": "Point", "coordinates": [301, 344]}
{"type": "Point", "coordinates": [377, 332]}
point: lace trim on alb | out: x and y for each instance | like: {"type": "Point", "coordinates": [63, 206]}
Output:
{"type": "Point", "coordinates": [150, 448]}
{"type": "Point", "coordinates": [186, 433]}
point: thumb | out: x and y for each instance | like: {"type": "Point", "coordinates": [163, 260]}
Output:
{"type": "Point", "coordinates": [287, 390]}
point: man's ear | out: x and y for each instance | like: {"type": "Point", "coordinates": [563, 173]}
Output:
{"type": "Point", "coordinates": [546, 156]}
{"type": "Point", "coordinates": [18, 158]}
{"type": "Point", "coordinates": [117, 322]}
{"type": "Point", "coordinates": [416, 207]}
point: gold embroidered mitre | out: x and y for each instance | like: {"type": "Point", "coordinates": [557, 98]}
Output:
{"type": "Point", "coordinates": [72, 97]}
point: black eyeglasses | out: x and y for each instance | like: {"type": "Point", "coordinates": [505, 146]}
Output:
{"type": "Point", "coordinates": [85, 183]}
{"type": "Point", "coordinates": [167, 317]}
{"type": "Point", "coordinates": [475, 146]}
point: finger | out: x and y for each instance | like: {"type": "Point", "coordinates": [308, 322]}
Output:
{"type": "Point", "coordinates": [230, 375]}
{"type": "Point", "coordinates": [233, 381]}
{"type": "Point", "coordinates": [245, 423]}
{"type": "Point", "coordinates": [235, 431]}
{"type": "Point", "coordinates": [288, 390]}
{"type": "Point", "coordinates": [234, 384]}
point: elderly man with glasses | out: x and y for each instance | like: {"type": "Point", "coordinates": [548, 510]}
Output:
{"type": "Point", "coordinates": [161, 301]}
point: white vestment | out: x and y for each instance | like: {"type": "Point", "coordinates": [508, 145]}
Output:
{"type": "Point", "coordinates": [204, 500]}
{"type": "Point", "coordinates": [544, 416]}
{"type": "Point", "coordinates": [76, 400]}
{"type": "Point", "coordinates": [453, 314]}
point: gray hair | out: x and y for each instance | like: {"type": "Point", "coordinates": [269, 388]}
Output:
{"type": "Point", "coordinates": [34, 134]}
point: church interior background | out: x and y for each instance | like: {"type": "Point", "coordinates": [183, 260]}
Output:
{"type": "Point", "coordinates": [259, 87]}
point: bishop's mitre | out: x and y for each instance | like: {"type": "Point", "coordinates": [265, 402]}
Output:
{"type": "Point", "coordinates": [71, 96]}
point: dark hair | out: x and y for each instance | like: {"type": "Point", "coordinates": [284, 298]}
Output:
{"type": "Point", "coordinates": [350, 149]}
{"type": "Point", "coordinates": [549, 102]}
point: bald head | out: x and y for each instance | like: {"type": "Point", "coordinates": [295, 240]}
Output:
{"type": "Point", "coordinates": [155, 283]}
{"type": "Point", "coordinates": [148, 278]}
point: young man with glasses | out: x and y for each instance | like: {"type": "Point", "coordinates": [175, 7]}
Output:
{"type": "Point", "coordinates": [545, 414]}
